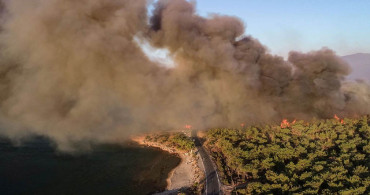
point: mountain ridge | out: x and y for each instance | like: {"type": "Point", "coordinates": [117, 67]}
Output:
{"type": "Point", "coordinates": [360, 65]}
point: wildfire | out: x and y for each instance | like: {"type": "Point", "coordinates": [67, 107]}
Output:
{"type": "Point", "coordinates": [338, 119]}
{"type": "Point", "coordinates": [285, 123]}
{"type": "Point", "coordinates": [188, 126]}
{"type": "Point", "coordinates": [242, 125]}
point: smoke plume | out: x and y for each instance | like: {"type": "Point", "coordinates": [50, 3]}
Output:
{"type": "Point", "coordinates": [72, 71]}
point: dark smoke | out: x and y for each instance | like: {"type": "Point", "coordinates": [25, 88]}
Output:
{"type": "Point", "coordinates": [72, 71]}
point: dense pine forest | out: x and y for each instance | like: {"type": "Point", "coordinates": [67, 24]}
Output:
{"type": "Point", "coordinates": [320, 157]}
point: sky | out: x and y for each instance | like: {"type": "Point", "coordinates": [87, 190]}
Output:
{"type": "Point", "coordinates": [286, 25]}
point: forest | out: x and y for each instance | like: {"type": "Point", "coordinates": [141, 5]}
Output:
{"type": "Point", "coordinates": [177, 140]}
{"type": "Point", "coordinates": [318, 157]}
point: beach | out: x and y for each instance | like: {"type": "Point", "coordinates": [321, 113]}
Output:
{"type": "Point", "coordinates": [185, 175]}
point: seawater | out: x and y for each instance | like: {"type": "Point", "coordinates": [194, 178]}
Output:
{"type": "Point", "coordinates": [35, 167]}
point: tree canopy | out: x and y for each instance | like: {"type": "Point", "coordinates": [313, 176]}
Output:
{"type": "Point", "coordinates": [320, 157]}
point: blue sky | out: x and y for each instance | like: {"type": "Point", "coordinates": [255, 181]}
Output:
{"type": "Point", "coordinates": [285, 25]}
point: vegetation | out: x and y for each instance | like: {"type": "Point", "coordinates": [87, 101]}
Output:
{"type": "Point", "coordinates": [177, 140]}
{"type": "Point", "coordinates": [322, 157]}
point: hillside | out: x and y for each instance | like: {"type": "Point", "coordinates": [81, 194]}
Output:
{"type": "Point", "coordinates": [360, 64]}
{"type": "Point", "coordinates": [321, 157]}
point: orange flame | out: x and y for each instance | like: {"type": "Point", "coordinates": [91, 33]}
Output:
{"type": "Point", "coordinates": [338, 119]}
{"type": "Point", "coordinates": [285, 123]}
{"type": "Point", "coordinates": [242, 125]}
{"type": "Point", "coordinates": [188, 126]}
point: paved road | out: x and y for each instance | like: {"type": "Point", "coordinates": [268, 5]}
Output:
{"type": "Point", "coordinates": [212, 180]}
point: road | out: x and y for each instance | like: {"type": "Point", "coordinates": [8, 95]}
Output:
{"type": "Point", "coordinates": [212, 179]}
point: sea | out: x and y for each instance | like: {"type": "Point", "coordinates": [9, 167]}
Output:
{"type": "Point", "coordinates": [36, 167]}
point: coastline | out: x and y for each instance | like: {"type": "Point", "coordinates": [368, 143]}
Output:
{"type": "Point", "coordinates": [183, 176]}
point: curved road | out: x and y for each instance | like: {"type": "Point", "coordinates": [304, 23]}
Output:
{"type": "Point", "coordinates": [212, 180]}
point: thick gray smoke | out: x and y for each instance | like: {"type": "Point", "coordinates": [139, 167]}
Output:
{"type": "Point", "coordinates": [72, 71]}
